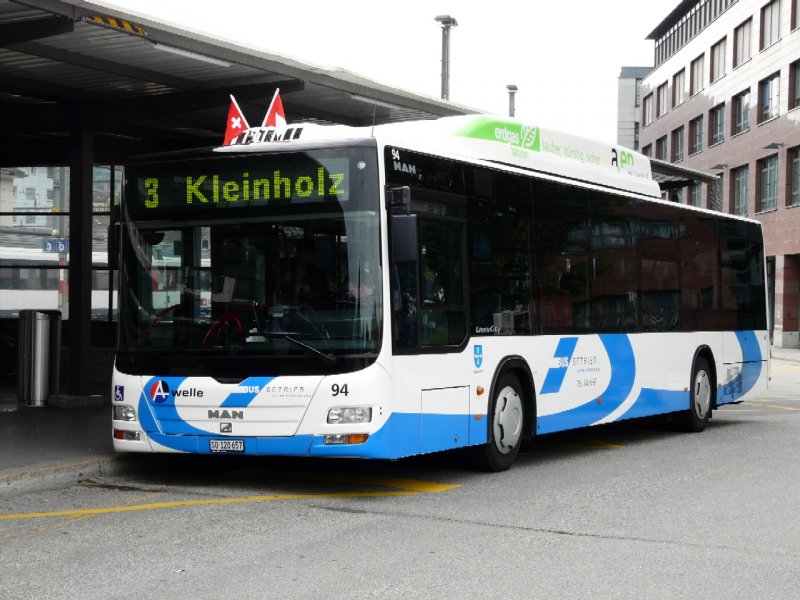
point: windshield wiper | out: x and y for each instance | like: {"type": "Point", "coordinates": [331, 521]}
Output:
{"type": "Point", "coordinates": [328, 359]}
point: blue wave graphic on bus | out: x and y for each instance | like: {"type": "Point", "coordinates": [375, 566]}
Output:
{"type": "Point", "coordinates": [159, 414]}
{"type": "Point", "coordinates": [623, 372]}
{"type": "Point", "coordinates": [246, 392]}
{"type": "Point", "coordinates": [156, 411]}
{"type": "Point", "coordinates": [751, 368]}
{"type": "Point", "coordinates": [555, 376]}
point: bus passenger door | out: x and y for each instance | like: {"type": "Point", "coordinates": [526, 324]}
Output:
{"type": "Point", "coordinates": [430, 317]}
{"type": "Point", "coordinates": [427, 281]}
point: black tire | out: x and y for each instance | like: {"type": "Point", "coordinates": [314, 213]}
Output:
{"type": "Point", "coordinates": [701, 398]}
{"type": "Point", "coordinates": [506, 422]}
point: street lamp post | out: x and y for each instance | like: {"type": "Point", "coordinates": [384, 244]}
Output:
{"type": "Point", "coordinates": [447, 23]}
{"type": "Point", "coordinates": [512, 89]}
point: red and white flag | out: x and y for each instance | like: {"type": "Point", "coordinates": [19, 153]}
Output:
{"type": "Point", "coordinates": [275, 116]}
{"type": "Point", "coordinates": [237, 124]}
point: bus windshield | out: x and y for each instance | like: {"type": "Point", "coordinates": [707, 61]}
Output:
{"type": "Point", "coordinates": [251, 264]}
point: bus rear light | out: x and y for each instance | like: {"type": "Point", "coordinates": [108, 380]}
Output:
{"type": "Point", "coordinates": [346, 438]}
{"type": "Point", "coordinates": [128, 436]}
{"type": "Point", "coordinates": [348, 415]}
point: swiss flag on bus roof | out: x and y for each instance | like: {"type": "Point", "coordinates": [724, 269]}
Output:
{"type": "Point", "coordinates": [275, 116]}
{"type": "Point", "coordinates": [236, 122]}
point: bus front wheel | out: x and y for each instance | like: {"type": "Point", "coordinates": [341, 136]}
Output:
{"type": "Point", "coordinates": [506, 422]}
{"type": "Point", "coordinates": [701, 396]}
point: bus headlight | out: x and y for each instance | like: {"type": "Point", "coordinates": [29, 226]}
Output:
{"type": "Point", "coordinates": [349, 414]}
{"type": "Point", "coordinates": [123, 412]}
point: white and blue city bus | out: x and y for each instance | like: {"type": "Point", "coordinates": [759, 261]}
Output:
{"type": "Point", "coordinates": [416, 287]}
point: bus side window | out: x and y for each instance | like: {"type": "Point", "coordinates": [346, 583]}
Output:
{"type": "Point", "coordinates": [500, 256]}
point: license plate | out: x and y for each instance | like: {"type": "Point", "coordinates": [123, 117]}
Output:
{"type": "Point", "coordinates": [226, 445]}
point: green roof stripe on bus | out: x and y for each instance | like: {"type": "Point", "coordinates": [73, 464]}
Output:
{"type": "Point", "coordinates": [507, 132]}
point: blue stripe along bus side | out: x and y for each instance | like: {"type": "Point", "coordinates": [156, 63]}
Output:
{"type": "Point", "coordinates": [623, 373]}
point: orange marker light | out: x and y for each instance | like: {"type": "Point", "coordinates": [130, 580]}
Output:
{"type": "Point", "coordinates": [357, 438]}
{"type": "Point", "coordinates": [480, 390]}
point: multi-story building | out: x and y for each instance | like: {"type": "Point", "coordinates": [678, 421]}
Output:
{"type": "Point", "coordinates": [724, 97]}
{"type": "Point", "coordinates": [629, 100]}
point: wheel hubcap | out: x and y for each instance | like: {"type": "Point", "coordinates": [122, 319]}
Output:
{"type": "Point", "coordinates": [702, 394]}
{"type": "Point", "coordinates": [507, 420]}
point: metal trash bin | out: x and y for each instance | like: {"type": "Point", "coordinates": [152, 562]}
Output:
{"type": "Point", "coordinates": [39, 358]}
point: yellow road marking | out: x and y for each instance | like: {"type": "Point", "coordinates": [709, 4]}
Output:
{"type": "Point", "coordinates": [602, 444]}
{"type": "Point", "coordinates": [777, 407]}
{"type": "Point", "coordinates": [594, 444]}
{"type": "Point", "coordinates": [773, 399]}
{"type": "Point", "coordinates": [760, 404]}
{"type": "Point", "coordinates": [87, 512]}
{"type": "Point", "coordinates": [400, 483]}
{"type": "Point", "coordinates": [402, 486]}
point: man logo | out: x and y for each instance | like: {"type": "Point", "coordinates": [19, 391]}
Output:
{"type": "Point", "coordinates": [159, 391]}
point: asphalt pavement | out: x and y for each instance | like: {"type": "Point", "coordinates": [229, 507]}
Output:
{"type": "Point", "coordinates": [42, 446]}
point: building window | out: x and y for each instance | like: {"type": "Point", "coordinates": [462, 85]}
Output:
{"type": "Point", "coordinates": [716, 125]}
{"type": "Point", "coordinates": [794, 177]}
{"type": "Point", "coordinates": [696, 194]}
{"type": "Point", "coordinates": [677, 144]}
{"type": "Point", "coordinates": [678, 88]}
{"type": "Point", "coordinates": [794, 84]}
{"type": "Point", "coordinates": [770, 24]}
{"type": "Point", "coordinates": [636, 136]}
{"type": "Point", "coordinates": [741, 112]}
{"type": "Point", "coordinates": [661, 100]}
{"type": "Point", "coordinates": [647, 110]}
{"type": "Point", "coordinates": [696, 73]}
{"type": "Point", "coordinates": [638, 92]}
{"type": "Point", "coordinates": [768, 184]}
{"type": "Point", "coordinates": [648, 150]}
{"type": "Point", "coordinates": [717, 60]}
{"type": "Point", "coordinates": [661, 148]}
{"type": "Point", "coordinates": [739, 179]}
{"type": "Point", "coordinates": [741, 43]}
{"type": "Point", "coordinates": [696, 135]}
{"type": "Point", "coordinates": [795, 15]}
{"type": "Point", "coordinates": [768, 97]}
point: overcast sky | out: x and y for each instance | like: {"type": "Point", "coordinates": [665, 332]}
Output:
{"type": "Point", "coordinates": [564, 56]}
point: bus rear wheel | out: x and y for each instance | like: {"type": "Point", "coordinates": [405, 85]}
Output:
{"type": "Point", "coordinates": [506, 422]}
{"type": "Point", "coordinates": [701, 396]}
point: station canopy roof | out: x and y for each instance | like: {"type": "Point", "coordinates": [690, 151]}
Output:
{"type": "Point", "coordinates": [671, 176]}
{"type": "Point", "coordinates": [143, 86]}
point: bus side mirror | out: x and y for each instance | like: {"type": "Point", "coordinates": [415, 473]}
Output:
{"type": "Point", "coordinates": [114, 233]}
{"type": "Point", "coordinates": [405, 238]}
{"type": "Point", "coordinates": [398, 200]}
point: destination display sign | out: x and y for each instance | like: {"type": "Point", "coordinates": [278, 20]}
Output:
{"type": "Point", "coordinates": [239, 183]}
